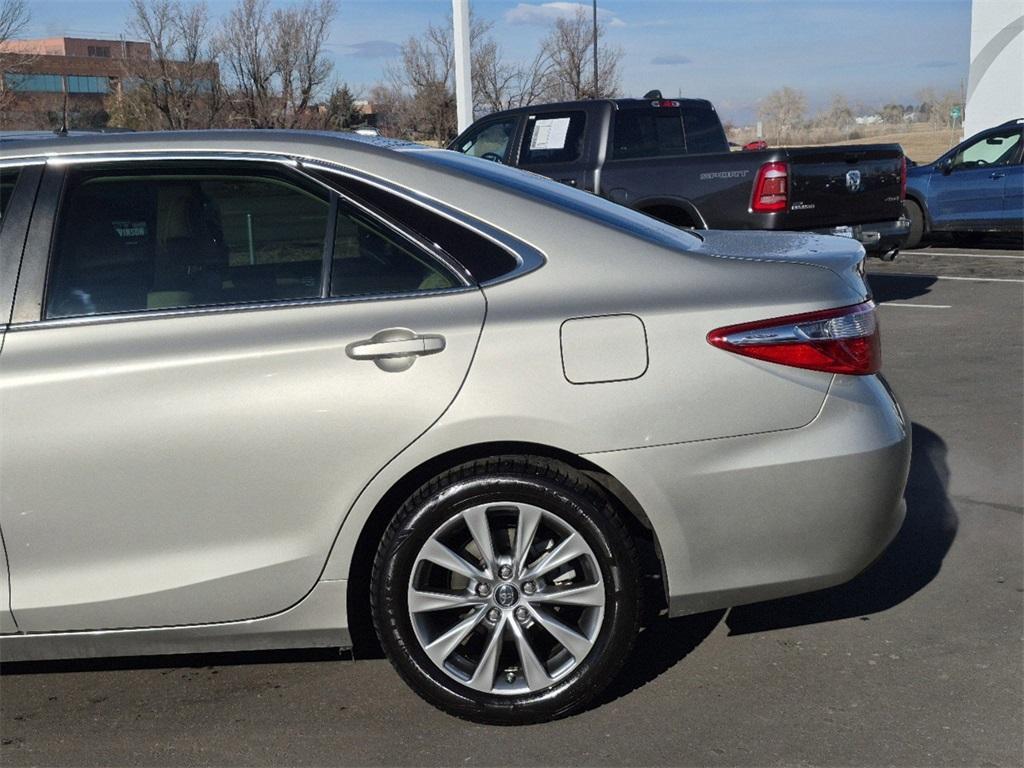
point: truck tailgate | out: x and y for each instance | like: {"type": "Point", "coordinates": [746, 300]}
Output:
{"type": "Point", "coordinates": [844, 185]}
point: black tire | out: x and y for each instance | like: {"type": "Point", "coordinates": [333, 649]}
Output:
{"type": "Point", "coordinates": [916, 215]}
{"type": "Point", "coordinates": [552, 486]}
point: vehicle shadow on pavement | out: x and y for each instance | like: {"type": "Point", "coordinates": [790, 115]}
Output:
{"type": "Point", "coordinates": [174, 661]}
{"type": "Point", "coordinates": [899, 287]}
{"type": "Point", "coordinates": [910, 562]}
{"type": "Point", "coordinates": [660, 646]}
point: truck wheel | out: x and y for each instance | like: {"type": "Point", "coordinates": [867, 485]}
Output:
{"type": "Point", "coordinates": [913, 212]}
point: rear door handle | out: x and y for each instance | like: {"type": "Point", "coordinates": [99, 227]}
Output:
{"type": "Point", "coordinates": [395, 349]}
{"type": "Point", "coordinates": [997, 175]}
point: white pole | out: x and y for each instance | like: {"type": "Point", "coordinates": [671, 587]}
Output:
{"type": "Point", "coordinates": [463, 78]}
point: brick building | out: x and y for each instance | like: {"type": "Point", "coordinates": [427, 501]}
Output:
{"type": "Point", "coordinates": [36, 74]}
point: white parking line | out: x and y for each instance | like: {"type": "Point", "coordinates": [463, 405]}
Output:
{"type": "Point", "coordinates": [948, 277]}
{"type": "Point", "coordinates": [916, 306]}
{"type": "Point", "coordinates": [966, 255]}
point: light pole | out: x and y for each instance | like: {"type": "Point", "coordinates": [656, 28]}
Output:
{"type": "Point", "coordinates": [595, 50]}
{"type": "Point", "coordinates": [463, 76]}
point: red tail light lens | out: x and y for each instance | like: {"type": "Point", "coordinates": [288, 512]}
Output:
{"type": "Point", "coordinates": [903, 179]}
{"type": "Point", "coordinates": [771, 188]}
{"type": "Point", "coordinates": [841, 340]}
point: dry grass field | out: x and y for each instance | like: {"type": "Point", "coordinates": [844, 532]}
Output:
{"type": "Point", "coordinates": [922, 142]}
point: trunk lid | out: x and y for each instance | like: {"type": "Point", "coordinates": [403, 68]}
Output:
{"type": "Point", "coordinates": [841, 255]}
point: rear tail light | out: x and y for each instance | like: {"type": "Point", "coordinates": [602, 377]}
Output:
{"type": "Point", "coordinates": [903, 179]}
{"type": "Point", "coordinates": [771, 188]}
{"type": "Point", "coordinates": [841, 340]}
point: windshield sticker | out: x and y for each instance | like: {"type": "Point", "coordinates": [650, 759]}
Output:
{"type": "Point", "coordinates": [550, 133]}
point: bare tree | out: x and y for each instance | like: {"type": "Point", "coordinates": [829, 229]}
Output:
{"type": "Point", "coordinates": [568, 49]}
{"type": "Point", "coordinates": [783, 111]}
{"type": "Point", "coordinates": [425, 76]}
{"type": "Point", "coordinates": [500, 84]}
{"type": "Point", "coordinates": [178, 87]}
{"type": "Point", "coordinates": [276, 61]}
{"type": "Point", "coordinates": [14, 17]}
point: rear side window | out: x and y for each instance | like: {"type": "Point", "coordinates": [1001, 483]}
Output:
{"type": "Point", "coordinates": [483, 259]}
{"type": "Point", "coordinates": [554, 137]}
{"type": "Point", "coordinates": [647, 133]}
{"type": "Point", "coordinates": [369, 258]}
{"type": "Point", "coordinates": [704, 133]}
{"type": "Point", "coordinates": [136, 239]}
{"type": "Point", "coordinates": [8, 178]}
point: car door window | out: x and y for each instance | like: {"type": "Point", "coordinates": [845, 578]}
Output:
{"type": "Point", "coordinates": [490, 141]}
{"type": "Point", "coordinates": [995, 149]}
{"type": "Point", "coordinates": [370, 258]}
{"type": "Point", "coordinates": [554, 137]}
{"type": "Point", "coordinates": [135, 239]}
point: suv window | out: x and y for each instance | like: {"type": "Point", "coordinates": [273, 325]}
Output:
{"type": "Point", "coordinates": [8, 178]}
{"type": "Point", "coordinates": [995, 149]}
{"type": "Point", "coordinates": [704, 133]}
{"type": "Point", "coordinates": [647, 133]}
{"type": "Point", "coordinates": [134, 239]}
{"type": "Point", "coordinates": [553, 137]}
{"type": "Point", "coordinates": [490, 141]}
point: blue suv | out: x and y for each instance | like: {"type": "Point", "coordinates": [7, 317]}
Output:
{"type": "Point", "coordinates": [976, 187]}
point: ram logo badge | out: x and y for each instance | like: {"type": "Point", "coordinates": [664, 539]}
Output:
{"type": "Point", "coordinates": [853, 181]}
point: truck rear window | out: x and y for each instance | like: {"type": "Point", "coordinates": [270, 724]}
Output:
{"type": "Point", "coordinates": [662, 132]}
{"type": "Point", "coordinates": [647, 133]}
{"type": "Point", "coordinates": [704, 132]}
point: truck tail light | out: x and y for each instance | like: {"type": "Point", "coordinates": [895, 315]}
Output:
{"type": "Point", "coordinates": [903, 179]}
{"type": "Point", "coordinates": [843, 340]}
{"type": "Point", "coordinates": [771, 188]}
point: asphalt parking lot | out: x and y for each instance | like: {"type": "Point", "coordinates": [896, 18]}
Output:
{"type": "Point", "coordinates": [916, 662]}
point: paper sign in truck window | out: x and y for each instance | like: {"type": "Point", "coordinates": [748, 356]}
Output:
{"type": "Point", "coordinates": [550, 133]}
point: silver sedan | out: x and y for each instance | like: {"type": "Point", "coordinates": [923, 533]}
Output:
{"type": "Point", "coordinates": [263, 390]}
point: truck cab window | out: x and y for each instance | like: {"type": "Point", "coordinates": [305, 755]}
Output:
{"type": "Point", "coordinates": [490, 141]}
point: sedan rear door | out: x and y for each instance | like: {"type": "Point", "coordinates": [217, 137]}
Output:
{"type": "Point", "coordinates": [200, 381]}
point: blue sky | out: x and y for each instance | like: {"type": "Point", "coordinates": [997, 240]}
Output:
{"type": "Point", "coordinates": [733, 52]}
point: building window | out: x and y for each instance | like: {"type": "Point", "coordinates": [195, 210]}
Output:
{"type": "Point", "coordinates": [88, 84]}
{"type": "Point", "coordinates": [36, 83]}
{"type": "Point", "coordinates": [101, 51]}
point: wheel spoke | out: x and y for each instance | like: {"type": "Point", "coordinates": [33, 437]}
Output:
{"type": "Point", "coordinates": [536, 675]}
{"type": "Point", "coordinates": [587, 595]}
{"type": "Point", "coordinates": [439, 554]}
{"type": "Point", "coordinates": [573, 641]}
{"type": "Point", "coordinates": [483, 676]}
{"type": "Point", "coordinates": [422, 601]}
{"type": "Point", "coordinates": [480, 530]}
{"type": "Point", "coordinates": [569, 549]}
{"type": "Point", "coordinates": [526, 528]}
{"type": "Point", "coordinates": [441, 648]}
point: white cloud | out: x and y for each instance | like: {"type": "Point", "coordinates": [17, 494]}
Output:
{"type": "Point", "coordinates": [545, 13]}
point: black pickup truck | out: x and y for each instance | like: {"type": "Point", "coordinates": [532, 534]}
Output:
{"type": "Point", "coordinates": [670, 159]}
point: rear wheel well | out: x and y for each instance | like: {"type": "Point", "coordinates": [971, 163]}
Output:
{"type": "Point", "coordinates": [360, 620]}
{"type": "Point", "coordinates": [671, 214]}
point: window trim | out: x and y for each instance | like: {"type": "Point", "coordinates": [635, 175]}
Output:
{"type": "Point", "coordinates": [13, 234]}
{"type": "Point", "coordinates": [36, 261]}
